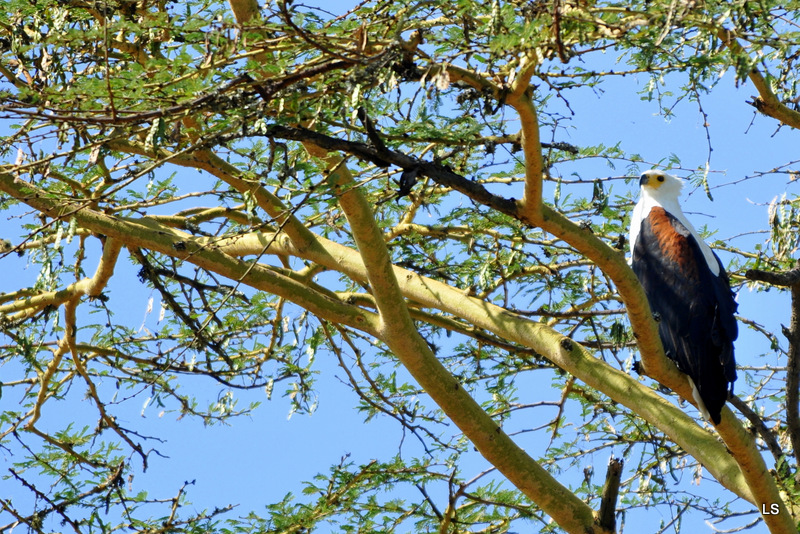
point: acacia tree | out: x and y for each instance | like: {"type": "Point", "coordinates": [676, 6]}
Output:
{"type": "Point", "coordinates": [266, 170]}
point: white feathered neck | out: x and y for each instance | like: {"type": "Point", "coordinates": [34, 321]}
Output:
{"type": "Point", "coordinates": [659, 189]}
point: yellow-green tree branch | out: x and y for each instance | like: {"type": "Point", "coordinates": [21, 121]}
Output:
{"type": "Point", "coordinates": [619, 386]}
{"type": "Point", "coordinates": [147, 234]}
{"type": "Point", "coordinates": [401, 336]}
{"type": "Point", "coordinates": [767, 101]}
{"type": "Point", "coordinates": [29, 305]}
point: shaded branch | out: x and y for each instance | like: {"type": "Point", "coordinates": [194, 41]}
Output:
{"type": "Point", "coordinates": [113, 481]}
{"type": "Point", "coordinates": [608, 504]}
{"type": "Point", "coordinates": [383, 158]}
{"type": "Point", "coordinates": [151, 274]}
{"type": "Point", "coordinates": [782, 279]}
{"type": "Point", "coordinates": [790, 279]}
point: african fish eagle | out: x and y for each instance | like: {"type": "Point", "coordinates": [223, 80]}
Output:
{"type": "Point", "coordinates": [688, 291]}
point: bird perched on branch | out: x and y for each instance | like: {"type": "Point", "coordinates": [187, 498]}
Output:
{"type": "Point", "coordinates": [688, 291]}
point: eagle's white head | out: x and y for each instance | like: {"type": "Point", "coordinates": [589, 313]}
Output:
{"type": "Point", "coordinates": [660, 186]}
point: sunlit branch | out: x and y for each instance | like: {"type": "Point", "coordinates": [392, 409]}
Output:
{"type": "Point", "coordinates": [91, 287]}
{"type": "Point", "coordinates": [431, 293]}
{"type": "Point", "coordinates": [398, 331]}
{"type": "Point", "coordinates": [148, 234]}
{"type": "Point", "coordinates": [766, 102]}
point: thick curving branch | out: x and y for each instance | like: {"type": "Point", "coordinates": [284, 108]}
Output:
{"type": "Point", "coordinates": [521, 99]}
{"type": "Point", "coordinates": [400, 334]}
{"type": "Point", "coordinates": [619, 386]}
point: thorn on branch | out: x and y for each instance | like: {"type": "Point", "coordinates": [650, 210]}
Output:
{"type": "Point", "coordinates": [757, 103]}
{"type": "Point", "coordinates": [620, 243]}
{"type": "Point", "coordinates": [100, 297]}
